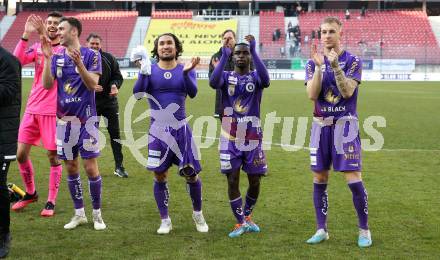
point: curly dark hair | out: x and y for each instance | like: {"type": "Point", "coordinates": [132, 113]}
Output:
{"type": "Point", "coordinates": [177, 42]}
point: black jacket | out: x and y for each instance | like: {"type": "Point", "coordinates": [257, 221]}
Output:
{"type": "Point", "coordinates": [10, 104]}
{"type": "Point", "coordinates": [110, 75]}
{"type": "Point", "coordinates": [229, 66]}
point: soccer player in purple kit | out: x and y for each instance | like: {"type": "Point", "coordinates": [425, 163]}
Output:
{"type": "Point", "coordinates": [332, 82]}
{"type": "Point", "coordinates": [77, 70]}
{"type": "Point", "coordinates": [241, 137]}
{"type": "Point", "coordinates": [170, 138]}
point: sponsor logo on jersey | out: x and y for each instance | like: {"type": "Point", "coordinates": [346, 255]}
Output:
{"type": "Point", "coordinates": [225, 165]}
{"type": "Point", "coordinates": [351, 156]}
{"type": "Point", "coordinates": [331, 98]}
{"type": "Point", "coordinates": [232, 80]}
{"type": "Point", "coordinates": [153, 162]}
{"type": "Point", "coordinates": [240, 108]}
{"type": "Point", "coordinates": [154, 153]}
{"type": "Point", "coordinates": [68, 88]}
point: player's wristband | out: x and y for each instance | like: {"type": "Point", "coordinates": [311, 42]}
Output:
{"type": "Point", "coordinates": [24, 39]}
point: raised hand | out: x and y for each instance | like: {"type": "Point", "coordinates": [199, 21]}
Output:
{"type": "Point", "coordinates": [28, 26]}
{"type": "Point", "coordinates": [46, 46]}
{"type": "Point", "coordinates": [191, 64]}
{"type": "Point", "coordinates": [225, 49]}
{"type": "Point", "coordinates": [333, 59]}
{"type": "Point", "coordinates": [252, 43]}
{"type": "Point", "coordinates": [317, 57]}
{"type": "Point", "coordinates": [75, 55]}
{"type": "Point", "coordinates": [38, 24]}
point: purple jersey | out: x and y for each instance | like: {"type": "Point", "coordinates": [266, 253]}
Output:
{"type": "Point", "coordinates": [170, 138]}
{"type": "Point", "coordinates": [168, 87]}
{"type": "Point", "coordinates": [243, 94]}
{"type": "Point", "coordinates": [74, 99]}
{"type": "Point", "coordinates": [330, 102]}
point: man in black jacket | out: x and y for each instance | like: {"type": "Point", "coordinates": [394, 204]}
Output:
{"type": "Point", "coordinates": [10, 104]}
{"type": "Point", "coordinates": [107, 101]}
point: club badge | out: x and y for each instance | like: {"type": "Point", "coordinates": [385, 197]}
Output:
{"type": "Point", "coordinates": [167, 75]}
{"type": "Point", "coordinates": [250, 87]}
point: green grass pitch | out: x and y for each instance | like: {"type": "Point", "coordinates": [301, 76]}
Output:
{"type": "Point", "coordinates": [402, 183]}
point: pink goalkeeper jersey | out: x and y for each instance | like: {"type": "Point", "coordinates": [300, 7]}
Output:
{"type": "Point", "coordinates": [40, 101]}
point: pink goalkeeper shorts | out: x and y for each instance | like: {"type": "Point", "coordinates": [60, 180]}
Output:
{"type": "Point", "coordinates": [34, 128]}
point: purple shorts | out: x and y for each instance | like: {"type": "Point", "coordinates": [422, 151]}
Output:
{"type": "Point", "coordinates": [338, 144]}
{"type": "Point", "coordinates": [173, 147]}
{"type": "Point", "coordinates": [76, 137]}
{"type": "Point", "coordinates": [232, 158]}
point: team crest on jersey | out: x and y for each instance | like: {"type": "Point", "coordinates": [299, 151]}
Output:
{"type": "Point", "coordinates": [167, 75]}
{"type": "Point", "coordinates": [250, 87]}
{"type": "Point", "coordinates": [231, 90]}
{"type": "Point", "coordinates": [331, 98]}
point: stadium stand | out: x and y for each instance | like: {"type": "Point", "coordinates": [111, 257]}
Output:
{"type": "Point", "coordinates": [175, 14]}
{"type": "Point", "coordinates": [115, 27]}
{"type": "Point", "coordinates": [270, 21]}
{"type": "Point", "coordinates": [139, 33]}
{"type": "Point", "coordinates": [385, 34]}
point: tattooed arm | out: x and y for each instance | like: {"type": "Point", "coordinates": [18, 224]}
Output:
{"type": "Point", "coordinates": [346, 86]}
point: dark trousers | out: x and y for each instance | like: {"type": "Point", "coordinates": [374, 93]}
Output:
{"type": "Point", "coordinates": [4, 198]}
{"type": "Point", "coordinates": [110, 110]}
{"type": "Point", "coordinates": [218, 102]}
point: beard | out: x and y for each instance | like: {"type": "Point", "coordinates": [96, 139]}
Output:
{"type": "Point", "coordinates": [52, 37]}
{"type": "Point", "coordinates": [167, 58]}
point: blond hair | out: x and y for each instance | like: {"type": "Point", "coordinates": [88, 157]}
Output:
{"type": "Point", "coordinates": [332, 19]}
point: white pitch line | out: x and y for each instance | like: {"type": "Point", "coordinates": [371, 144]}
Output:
{"type": "Point", "coordinates": [307, 148]}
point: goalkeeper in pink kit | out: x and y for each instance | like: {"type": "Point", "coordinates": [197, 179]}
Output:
{"type": "Point", "coordinates": [39, 120]}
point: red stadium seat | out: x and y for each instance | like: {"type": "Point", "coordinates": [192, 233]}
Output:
{"type": "Point", "coordinates": [389, 27]}
{"type": "Point", "coordinates": [115, 27]}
